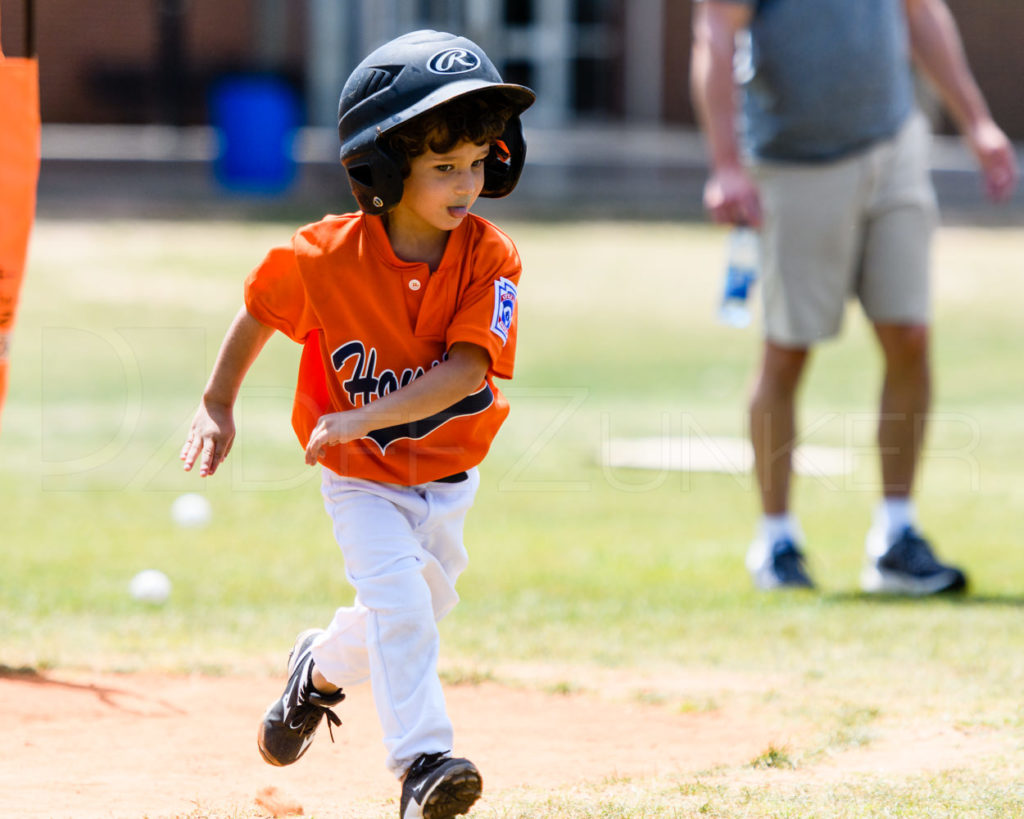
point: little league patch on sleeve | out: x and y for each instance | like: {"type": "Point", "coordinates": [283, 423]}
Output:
{"type": "Point", "coordinates": [504, 308]}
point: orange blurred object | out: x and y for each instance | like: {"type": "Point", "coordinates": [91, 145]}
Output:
{"type": "Point", "coordinates": [19, 173]}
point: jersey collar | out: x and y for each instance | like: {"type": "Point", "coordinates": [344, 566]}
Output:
{"type": "Point", "coordinates": [373, 225]}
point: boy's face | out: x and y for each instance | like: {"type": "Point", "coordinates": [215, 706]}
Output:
{"type": "Point", "coordinates": [441, 188]}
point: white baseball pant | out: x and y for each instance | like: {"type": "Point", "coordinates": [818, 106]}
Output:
{"type": "Point", "coordinates": [403, 553]}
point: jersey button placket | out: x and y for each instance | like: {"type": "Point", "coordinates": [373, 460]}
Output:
{"type": "Point", "coordinates": [415, 286]}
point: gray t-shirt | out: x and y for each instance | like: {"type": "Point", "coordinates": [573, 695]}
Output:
{"type": "Point", "coordinates": [822, 79]}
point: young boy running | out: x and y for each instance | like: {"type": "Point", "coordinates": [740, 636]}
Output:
{"type": "Point", "coordinates": [406, 311]}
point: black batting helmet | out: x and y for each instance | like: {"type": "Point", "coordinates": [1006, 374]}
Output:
{"type": "Point", "coordinates": [403, 79]}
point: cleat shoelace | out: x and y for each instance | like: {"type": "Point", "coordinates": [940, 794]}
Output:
{"type": "Point", "coordinates": [308, 716]}
{"type": "Point", "coordinates": [425, 764]}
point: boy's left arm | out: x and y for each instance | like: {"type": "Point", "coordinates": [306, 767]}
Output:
{"type": "Point", "coordinates": [436, 390]}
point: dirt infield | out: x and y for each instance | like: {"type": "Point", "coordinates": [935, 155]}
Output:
{"type": "Point", "coordinates": [81, 746]}
{"type": "Point", "coordinates": [144, 745]}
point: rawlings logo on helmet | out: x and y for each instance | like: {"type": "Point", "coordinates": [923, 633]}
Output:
{"type": "Point", "coordinates": [453, 61]}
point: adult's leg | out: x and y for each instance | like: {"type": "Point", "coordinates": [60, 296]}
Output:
{"type": "Point", "coordinates": [894, 289]}
{"type": "Point", "coordinates": [773, 423]}
{"type": "Point", "coordinates": [810, 236]}
{"type": "Point", "coordinates": [899, 559]}
{"type": "Point", "coordinates": [905, 400]}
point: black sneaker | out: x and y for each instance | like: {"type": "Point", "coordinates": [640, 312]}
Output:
{"type": "Point", "coordinates": [436, 786]}
{"type": "Point", "coordinates": [781, 566]}
{"type": "Point", "coordinates": [290, 722]}
{"type": "Point", "coordinates": [909, 566]}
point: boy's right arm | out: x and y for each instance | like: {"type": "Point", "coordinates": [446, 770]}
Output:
{"type": "Point", "coordinates": [213, 427]}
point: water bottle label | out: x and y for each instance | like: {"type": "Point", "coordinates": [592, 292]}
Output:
{"type": "Point", "coordinates": [737, 283]}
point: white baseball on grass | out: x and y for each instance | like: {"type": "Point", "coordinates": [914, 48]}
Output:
{"type": "Point", "coordinates": [151, 586]}
{"type": "Point", "coordinates": [191, 510]}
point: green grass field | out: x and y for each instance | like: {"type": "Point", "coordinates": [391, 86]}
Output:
{"type": "Point", "coordinates": [572, 563]}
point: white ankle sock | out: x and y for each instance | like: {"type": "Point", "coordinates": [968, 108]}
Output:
{"type": "Point", "coordinates": [897, 514]}
{"type": "Point", "coordinates": [779, 527]}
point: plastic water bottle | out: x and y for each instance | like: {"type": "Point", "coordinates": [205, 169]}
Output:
{"type": "Point", "coordinates": [741, 271]}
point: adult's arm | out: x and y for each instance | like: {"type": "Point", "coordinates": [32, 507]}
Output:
{"type": "Point", "coordinates": [938, 50]}
{"type": "Point", "coordinates": [730, 194]}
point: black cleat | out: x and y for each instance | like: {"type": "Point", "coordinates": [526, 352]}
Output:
{"type": "Point", "coordinates": [290, 722]}
{"type": "Point", "coordinates": [436, 786]}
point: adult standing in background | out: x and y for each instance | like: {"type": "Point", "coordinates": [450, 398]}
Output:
{"type": "Point", "coordinates": [829, 160]}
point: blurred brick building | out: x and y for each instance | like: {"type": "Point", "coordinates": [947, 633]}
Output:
{"type": "Point", "coordinates": [155, 61]}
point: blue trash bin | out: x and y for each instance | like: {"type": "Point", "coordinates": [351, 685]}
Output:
{"type": "Point", "coordinates": [256, 117]}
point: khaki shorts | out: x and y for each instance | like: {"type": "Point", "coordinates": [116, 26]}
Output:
{"type": "Point", "coordinates": [861, 226]}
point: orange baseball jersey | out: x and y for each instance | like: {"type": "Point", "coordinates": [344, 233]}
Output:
{"type": "Point", "coordinates": [370, 323]}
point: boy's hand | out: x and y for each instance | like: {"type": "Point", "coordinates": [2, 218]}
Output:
{"type": "Point", "coordinates": [334, 428]}
{"type": "Point", "coordinates": [461, 373]}
{"type": "Point", "coordinates": [212, 433]}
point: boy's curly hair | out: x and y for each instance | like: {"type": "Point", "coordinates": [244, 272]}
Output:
{"type": "Point", "coordinates": [478, 118]}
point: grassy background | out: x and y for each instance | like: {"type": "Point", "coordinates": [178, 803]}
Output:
{"type": "Point", "coordinates": [572, 562]}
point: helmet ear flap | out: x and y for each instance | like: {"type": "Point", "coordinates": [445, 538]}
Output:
{"type": "Point", "coordinates": [504, 163]}
{"type": "Point", "coordinates": [375, 179]}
